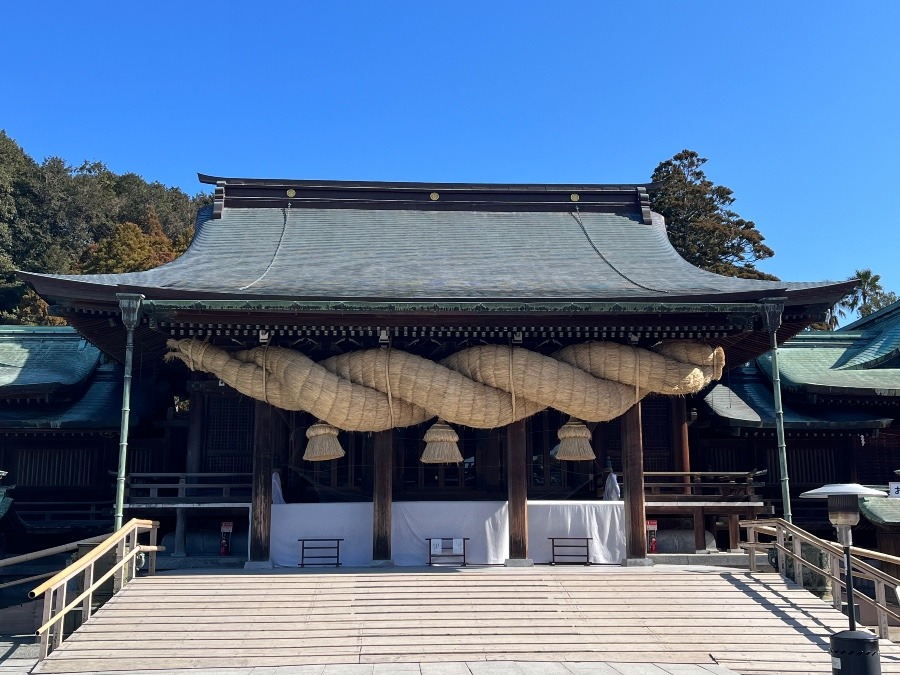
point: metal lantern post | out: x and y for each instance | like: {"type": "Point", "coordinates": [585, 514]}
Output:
{"type": "Point", "coordinates": [130, 306]}
{"type": "Point", "coordinates": [853, 652]}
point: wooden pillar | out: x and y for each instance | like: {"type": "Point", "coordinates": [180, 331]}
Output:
{"type": "Point", "coordinates": [180, 535]}
{"type": "Point", "coordinates": [193, 462]}
{"type": "Point", "coordinates": [633, 460]}
{"type": "Point", "coordinates": [517, 493]}
{"type": "Point", "coordinates": [681, 447]}
{"type": "Point", "coordinates": [382, 495]}
{"type": "Point", "coordinates": [264, 434]}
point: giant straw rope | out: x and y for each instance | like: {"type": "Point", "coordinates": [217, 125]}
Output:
{"type": "Point", "coordinates": [483, 387]}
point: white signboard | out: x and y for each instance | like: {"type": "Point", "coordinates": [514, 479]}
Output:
{"type": "Point", "coordinates": [894, 490]}
{"type": "Point", "coordinates": [435, 547]}
{"type": "Point", "coordinates": [457, 547]}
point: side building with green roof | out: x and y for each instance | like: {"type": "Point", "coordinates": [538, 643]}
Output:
{"type": "Point", "coordinates": [60, 407]}
{"type": "Point", "coordinates": [841, 392]}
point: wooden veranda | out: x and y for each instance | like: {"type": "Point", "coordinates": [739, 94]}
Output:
{"type": "Point", "coordinates": [746, 622]}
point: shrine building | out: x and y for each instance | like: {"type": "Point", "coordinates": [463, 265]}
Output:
{"type": "Point", "coordinates": [394, 362]}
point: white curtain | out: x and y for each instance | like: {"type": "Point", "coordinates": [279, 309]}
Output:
{"type": "Point", "coordinates": [486, 524]}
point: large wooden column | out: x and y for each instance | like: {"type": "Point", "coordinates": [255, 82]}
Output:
{"type": "Point", "coordinates": [680, 445]}
{"type": "Point", "coordinates": [517, 492]}
{"type": "Point", "coordinates": [266, 427]}
{"type": "Point", "coordinates": [382, 497]}
{"type": "Point", "coordinates": [635, 514]}
{"type": "Point", "coordinates": [192, 461]}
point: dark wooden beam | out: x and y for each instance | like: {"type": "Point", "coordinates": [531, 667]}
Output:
{"type": "Point", "coordinates": [264, 435]}
{"type": "Point", "coordinates": [517, 490]}
{"type": "Point", "coordinates": [382, 494]}
{"type": "Point", "coordinates": [633, 460]}
{"type": "Point", "coordinates": [681, 448]}
{"type": "Point", "coordinates": [196, 429]}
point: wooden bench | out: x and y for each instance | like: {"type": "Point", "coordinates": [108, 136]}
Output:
{"type": "Point", "coordinates": [563, 549]}
{"type": "Point", "coordinates": [323, 552]}
{"type": "Point", "coordinates": [443, 557]}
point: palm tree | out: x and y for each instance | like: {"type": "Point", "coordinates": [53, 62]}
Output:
{"type": "Point", "coordinates": [868, 287]}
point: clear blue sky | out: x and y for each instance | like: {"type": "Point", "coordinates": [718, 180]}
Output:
{"type": "Point", "coordinates": [795, 104]}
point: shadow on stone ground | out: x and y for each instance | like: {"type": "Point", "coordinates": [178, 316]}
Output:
{"type": "Point", "coordinates": [18, 654]}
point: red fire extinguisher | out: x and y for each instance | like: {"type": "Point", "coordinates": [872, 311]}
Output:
{"type": "Point", "coordinates": [223, 546]}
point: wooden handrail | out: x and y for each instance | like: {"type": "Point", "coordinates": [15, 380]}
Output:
{"type": "Point", "coordinates": [190, 475]}
{"type": "Point", "coordinates": [835, 549]}
{"type": "Point", "coordinates": [778, 528]}
{"type": "Point", "coordinates": [125, 543]}
{"type": "Point", "coordinates": [92, 556]}
{"type": "Point", "coordinates": [88, 591]}
{"type": "Point", "coordinates": [10, 584]}
{"type": "Point", "coordinates": [736, 474]}
{"type": "Point", "coordinates": [37, 555]}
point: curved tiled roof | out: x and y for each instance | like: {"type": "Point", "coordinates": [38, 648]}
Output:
{"type": "Point", "coordinates": [860, 360]}
{"type": "Point", "coordinates": [316, 252]}
{"type": "Point", "coordinates": [41, 362]}
{"type": "Point", "coordinates": [744, 400]}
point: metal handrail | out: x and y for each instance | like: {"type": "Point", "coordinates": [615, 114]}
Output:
{"type": "Point", "coordinates": [125, 542]}
{"type": "Point", "coordinates": [785, 532]}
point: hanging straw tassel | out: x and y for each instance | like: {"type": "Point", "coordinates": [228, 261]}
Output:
{"type": "Point", "coordinates": [574, 442]}
{"type": "Point", "coordinates": [323, 443]}
{"type": "Point", "coordinates": [440, 445]}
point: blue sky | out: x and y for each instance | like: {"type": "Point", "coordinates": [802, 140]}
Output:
{"type": "Point", "coordinates": [795, 104]}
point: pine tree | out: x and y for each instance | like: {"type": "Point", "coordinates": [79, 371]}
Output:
{"type": "Point", "coordinates": [700, 225]}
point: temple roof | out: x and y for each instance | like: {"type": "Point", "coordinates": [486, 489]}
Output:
{"type": "Point", "coordinates": [743, 400]}
{"type": "Point", "coordinates": [43, 362]}
{"type": "Point", "coordinates": [881, 511]}
{"type": "Point", "coordinates": [860, 360]}
{"type": "Point", "coordinates": [306, 260]}
{"type": "Point", "coordinates": [381, 242]}
{"type": "Point", "coordinates": [98, 408]}
{"type": "Point", "coordinates": [52, 378]}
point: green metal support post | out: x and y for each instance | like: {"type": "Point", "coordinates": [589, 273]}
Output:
{"type": "Point", "coordinates": [773, 309]}
{"type": "Point", "coordinates": [130, 306]}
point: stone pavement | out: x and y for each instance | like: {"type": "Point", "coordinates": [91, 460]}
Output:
{"type": "Point", "coordinates": [448, 668]}
{"type": "Point", "coordinates": [18, 655]}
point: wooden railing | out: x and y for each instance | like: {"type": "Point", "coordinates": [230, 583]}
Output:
{"type": "Point", "coordinates": [700, 494]}
{"type": "Point", "coordinates": [788, 540]}
{"type": "Point", "coordinates": [125, 543]}
{"type": "Point", "coordinates": [177, 488]}
{"type": "Point", "coordinates": [37, 555]}
{"type": "Point", "coordinates": [702, 485]}
{"type": "Point", "coordinates": [49, 514]}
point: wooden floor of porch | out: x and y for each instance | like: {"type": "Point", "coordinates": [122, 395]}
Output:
{"type": "Point", "coordinates": [746, 622]}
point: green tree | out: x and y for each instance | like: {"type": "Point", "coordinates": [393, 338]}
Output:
{"type": "Point", "coordinates": [868, 287]}
{"type": "Point", "coordinates": [127, 249]}
{"type": "Point", "coordinates": [182, 241]}
{"type": "Point", "coordinates": [160, 245]}
{"type": "Point", "coordinates": [54, 216]}
{"type": "Point", "coordinates": [867, 296]}
{"type": "Point", "coordinates": [879, 301]}
{"type": "Point", "coordinates": [699, 222]}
